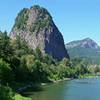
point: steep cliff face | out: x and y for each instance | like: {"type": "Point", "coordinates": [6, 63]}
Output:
{"type": "Point", "coordinates": [36, 27]}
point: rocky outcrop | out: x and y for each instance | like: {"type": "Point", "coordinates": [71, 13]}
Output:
{"type": "Point", "coordinates": [36, 27]}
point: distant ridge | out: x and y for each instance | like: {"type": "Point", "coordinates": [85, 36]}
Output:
{"type": "Point", "coordinates": [85, 43]}
{"type": "Point", "coordinates": [85, 48]}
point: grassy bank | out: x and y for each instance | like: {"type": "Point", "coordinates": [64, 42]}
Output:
{"type": "Point", "coordinates": [19, 97]}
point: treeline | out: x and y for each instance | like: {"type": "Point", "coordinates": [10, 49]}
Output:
{"type": "Point", "coordinates": [19, 64]}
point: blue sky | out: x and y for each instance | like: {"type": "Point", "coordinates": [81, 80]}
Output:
{"type": "Point", "coordinates": [76, 19]}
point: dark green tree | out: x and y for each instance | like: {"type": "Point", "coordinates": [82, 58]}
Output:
{"type": "Point", "coordinates": [6, 50]}
{"type": "Point", "coordinates": [6, 75]}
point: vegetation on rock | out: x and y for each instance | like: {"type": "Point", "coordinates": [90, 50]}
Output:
{"type": "Point", "coordinates": [35, 25]}
{"type": "Point", "coordinates": [21, 20]}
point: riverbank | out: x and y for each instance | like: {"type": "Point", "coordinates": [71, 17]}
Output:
{"type": "Point", "coordinates": [89, 76]}
{"type": "Point", "coordinates": [87, 89]}
{"type": "Point", "coordinates": [24, 88]}
{"type": "Point", "coordinates": [57, 81]}
{"type": "Point", "coordinates": [38, 87]}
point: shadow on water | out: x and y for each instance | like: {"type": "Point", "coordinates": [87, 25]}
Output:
{"type": "Point", "coordinates": [49, 88]}
{"type": "Point", "coordinates": [30, 90]}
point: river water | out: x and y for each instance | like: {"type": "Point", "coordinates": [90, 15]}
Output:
{"type": "Point", "coordinates": [79, 89]}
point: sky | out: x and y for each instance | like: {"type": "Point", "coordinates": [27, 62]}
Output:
{"type": "Point", "coordinates": [76, 19]}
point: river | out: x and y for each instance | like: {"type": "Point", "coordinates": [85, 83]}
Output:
{"type": "Point", "coordinates": [79, 89]}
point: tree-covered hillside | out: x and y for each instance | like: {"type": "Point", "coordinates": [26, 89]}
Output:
{"type": "Point", "coordinates": [86, 48]}
{"type": "Point", "coordinates": [90, 55]}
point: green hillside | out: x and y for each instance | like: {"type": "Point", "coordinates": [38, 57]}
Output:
{"type": "Point", "coordinates": [89, 54]}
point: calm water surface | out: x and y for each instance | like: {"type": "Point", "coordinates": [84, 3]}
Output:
{"type": "Point", "coordinates": [83, 89]}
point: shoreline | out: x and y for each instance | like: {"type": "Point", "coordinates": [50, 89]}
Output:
{"type": "Point", "coordinates": [25, 88]}
{"type": "Point", "coordinates": [57, 81]}
{"type": "Point", "coordinates": [22, 89]}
